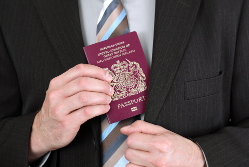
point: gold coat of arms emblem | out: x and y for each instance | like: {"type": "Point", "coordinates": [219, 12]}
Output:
{"type": "Point", "coordinates": [128, 79]}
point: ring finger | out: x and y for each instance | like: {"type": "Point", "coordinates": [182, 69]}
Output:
{"type": "Point", "coordinates": [137, 157]}
{"type": "Point", "coordinates": [87, 84]}
{"type": "Point", "coordinates": [82, 99]}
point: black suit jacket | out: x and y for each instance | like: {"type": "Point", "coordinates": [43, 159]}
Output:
{"type": "Point", "coordinates": [199, 84]}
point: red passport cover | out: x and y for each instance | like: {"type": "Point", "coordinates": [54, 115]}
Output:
{"type": "Point", "coordinates": [124, 59]}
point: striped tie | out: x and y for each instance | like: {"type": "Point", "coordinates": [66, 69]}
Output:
{"type": "Point", "coordinates": [113, 143]}
{"type": "Point", "coordinates": [112, 22]}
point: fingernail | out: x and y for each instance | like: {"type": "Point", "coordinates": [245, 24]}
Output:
{"type": "Point", "coordinates": [110, 99]}
{"type": "Point", "coordinates": [108, 76]}
{"type": "Point", "coordinates": [126, 127]}
{"type": "Point", "coordinates": [108, 107]}
{"type": "Point", "coordinates": [111, 90]}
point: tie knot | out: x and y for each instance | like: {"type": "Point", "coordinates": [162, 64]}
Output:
{"type": "Point", "coordinates": [112, 21]}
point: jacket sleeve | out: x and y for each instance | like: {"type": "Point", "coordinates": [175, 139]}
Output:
{"type": "Point", "coordinates": [230, 146]}
{"type": "Point", "coordinates": [14, 127]}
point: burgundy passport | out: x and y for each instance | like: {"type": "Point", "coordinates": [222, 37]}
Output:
{"type": "Point", "coordinates": [124, 59]}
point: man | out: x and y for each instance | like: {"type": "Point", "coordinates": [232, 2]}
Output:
{"type": "Point", "coordinates": [199, 87]}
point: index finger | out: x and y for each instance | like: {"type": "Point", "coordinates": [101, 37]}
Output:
{"type": "Point", "coordinates": [83, 70]}
{"type": "Point", "coordinates": [142, 127]}
{"type": "Point", "coordinates": [140, 141]}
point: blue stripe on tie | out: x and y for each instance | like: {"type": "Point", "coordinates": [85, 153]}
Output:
{"type": "Point", "coordinates": [112, 149]}
{"type": "Point", "coordinates": [108, 131]}
{"type": "Point", "coordinates": [115, 145]}
{"type": "Point", "coordinates": [114, 25]}
{"type": "Point", "coordinates": [122, 162]}
{"type": "Point", "coordinates": [112, 6]}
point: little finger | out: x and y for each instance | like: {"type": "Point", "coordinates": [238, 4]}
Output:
{"type": "Point", "coordinates": [137, 157]}
{"type": "Point", "coordinates": [81, 115]}
{"type": "Point", "coordinates": [132, 165]}
{"type": "Point", "coordinates": [140, 141]}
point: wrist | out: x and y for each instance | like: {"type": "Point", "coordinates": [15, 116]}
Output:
{"type": "Point", "coordinates": [198, 157]}
{"type": "Point", "coordinates": [37, 148]}
{"type": "Point", "coordinates": [203, 154]}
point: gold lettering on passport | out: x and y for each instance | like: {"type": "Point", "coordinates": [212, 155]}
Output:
{"type": "Point", "coordinates": [131, 102]}
{"type": "Point", "coordinates": [111, 46]}
{"type": "Point", "coordinates": [134, 109]}
{"type": "Point", "coordinates": [114, 52]}
{"type": "Point", "coordinates": [128, 79]}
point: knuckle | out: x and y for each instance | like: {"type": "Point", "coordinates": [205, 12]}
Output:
{"type": "Point", "coordinates": [129, 165]}
{"type": "Point", "coordinates": [162, 146]}
{"type": "Point", "coordinates": [160, 162]}
{"type": "Point", "coordinates": [53, 82]}
{"type": "Point", "coordinates": [83, 82]}
{"type": "Point", "coordinates": [87, 111]}
{"type": "Point", "coordinates": [80, 67]}
{"type": "Point", "coordinates": [83, 97]}
{"type": "Point", "coordinates": [138, 123]}
{"type": "Point", "coordinates": [65, 123]}
{"type": "Point", "coordinates": [56, 112]}
{"type": "Point", "coordinates": [128, 154]}
{"type": "Point", "coordinates": [52, 95]}
{"type": "Point", "coordinates": [130, 140]}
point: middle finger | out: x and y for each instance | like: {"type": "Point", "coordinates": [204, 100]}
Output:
{"type": "Point", "coordinates": [87, 84]}
{"type": "Point", "coordinates": [140, 141]}
{"type": "Point", "coordinates": [84, 98]}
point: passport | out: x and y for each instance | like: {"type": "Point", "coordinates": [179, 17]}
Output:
{"type": "Point", "coordinates": [124, 59]}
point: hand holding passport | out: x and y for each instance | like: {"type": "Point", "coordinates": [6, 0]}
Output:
{"type": "Point", "coordinates": [124, 59]}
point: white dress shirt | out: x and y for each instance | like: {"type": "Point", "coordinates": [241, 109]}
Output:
{"type": "Point", "coordinates": [140, 15]}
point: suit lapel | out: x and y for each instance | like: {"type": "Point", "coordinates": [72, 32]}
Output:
{"type": "Point", "coordinates": [174, 20]}
{"type": "Point", "coordinates": [60, 19]}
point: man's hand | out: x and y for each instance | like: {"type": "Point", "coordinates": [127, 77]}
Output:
{"type": "Point", "coordinates": [72, 98]}
{"type": "Point", "coordinates": [153, 146]}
